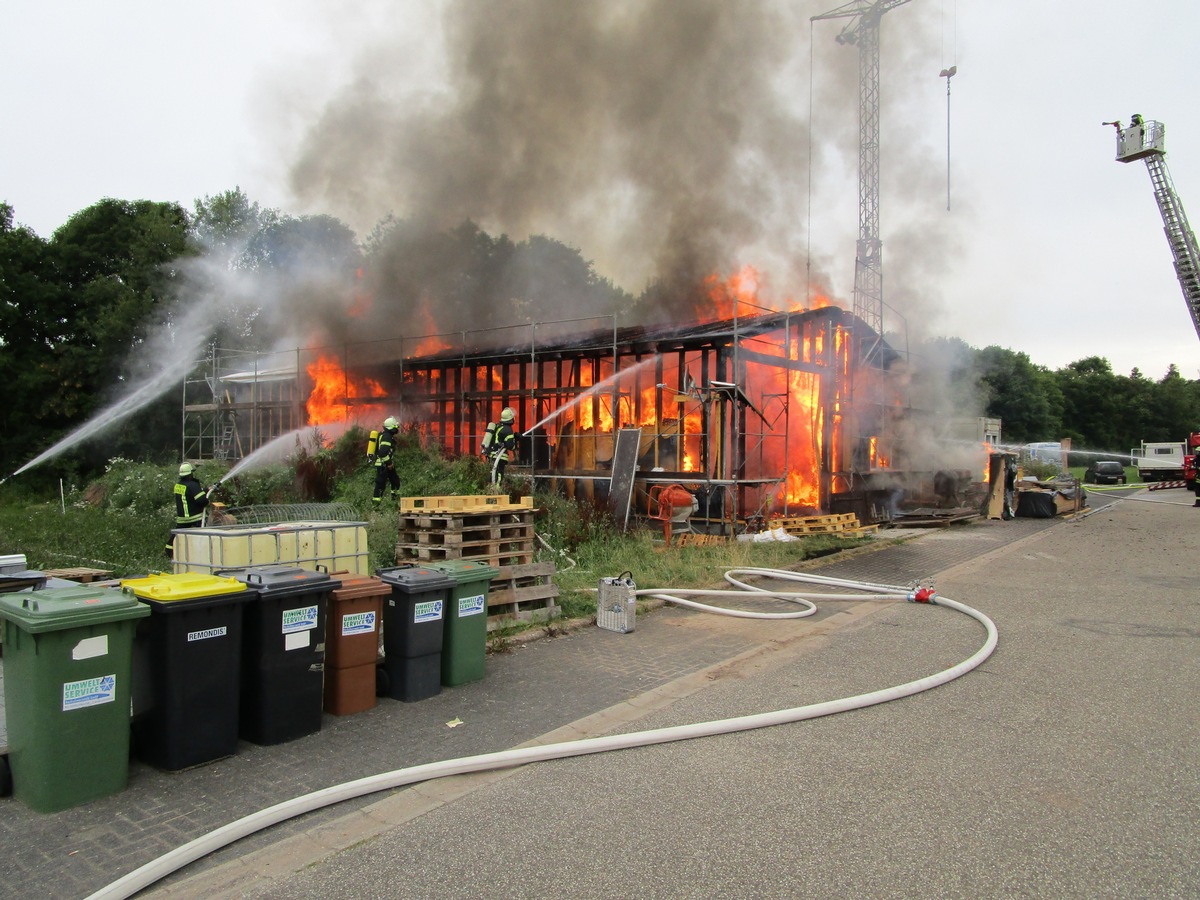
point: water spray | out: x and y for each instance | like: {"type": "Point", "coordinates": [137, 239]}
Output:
{"type": "Point", "coordinates": [276, 449]}
{"type": "Point", "coordinates": [595, 388]}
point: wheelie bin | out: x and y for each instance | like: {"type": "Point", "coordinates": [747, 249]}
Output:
{"type": "Point", "coordinates": [190, 689]}
{"type": "Point", "coordinates": [464, 636]}
{"type": "Point", "coordinates": [413, 618]}
{"type": "Point", "coordinates": [283, 652]}
{"type": "Point", "coordinates": [67, 673]}
{"type": "Point", "coordinates": [355, 618]}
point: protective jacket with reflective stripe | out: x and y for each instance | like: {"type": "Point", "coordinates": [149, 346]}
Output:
{"type": "Point", "coordinates": [190, 500]}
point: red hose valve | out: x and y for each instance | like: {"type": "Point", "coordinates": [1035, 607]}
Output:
{"type": "Point", "coordinates": [922, 595]}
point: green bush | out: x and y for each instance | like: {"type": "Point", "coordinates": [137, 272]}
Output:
{"type": "Point", "coordinates": [122, 521]}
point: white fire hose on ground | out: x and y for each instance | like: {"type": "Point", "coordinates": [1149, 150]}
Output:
{"type": "Point", "coordinates": [170, 862]}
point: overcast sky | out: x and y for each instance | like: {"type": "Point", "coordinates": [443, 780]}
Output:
{"type": "Point", "coordinates": [1050, 247]}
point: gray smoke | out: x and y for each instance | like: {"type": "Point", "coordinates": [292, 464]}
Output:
{"type": "Point", "coordinates": [667, 140]}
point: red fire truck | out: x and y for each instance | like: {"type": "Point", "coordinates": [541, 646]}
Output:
{"type": "Point", "coordinates": [1189, 463]}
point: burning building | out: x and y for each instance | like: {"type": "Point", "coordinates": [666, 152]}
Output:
{"type": "Point", "coordinates": [770, 413]}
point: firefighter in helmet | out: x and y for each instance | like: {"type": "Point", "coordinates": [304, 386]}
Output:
{"type": "Point", "coordinates": [499, 441]}
{"type": "Point", "coordinates": [191, 498]}
{"type": "Point", "coordinates": [385, 464]}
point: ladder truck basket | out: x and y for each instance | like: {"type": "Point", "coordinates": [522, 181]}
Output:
{"type": "Point", "coordinates": [616, 604]}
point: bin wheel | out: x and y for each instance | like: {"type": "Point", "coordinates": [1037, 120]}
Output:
{"type": "Point", "coordinates": [5, 777]}
{"type": "Point", "coordinates": [383, 684]}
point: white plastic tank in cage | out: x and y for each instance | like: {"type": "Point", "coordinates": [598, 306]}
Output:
{"type": "Point", "coordinates": [616, 603]}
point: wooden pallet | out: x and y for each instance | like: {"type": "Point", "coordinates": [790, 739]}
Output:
{"type": "Point", "coordinates": [522, 593]}
{"type": "Point", "coordinates": [467, 535]}
{"type": "Point", "coordinates": [839, 523]}
{"type": "Point", "coordinates": [83, 576]}
{"type": "Point", "coordinates": [861, 530]}
{"type": "Point", "coordinates": [699, 540]}
{"type": "Point", "coordinates": [494, 554]}
{"type": "Point", "coordinates": [464, 502]}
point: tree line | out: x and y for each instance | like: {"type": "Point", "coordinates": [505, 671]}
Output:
{"type": "Point", "coordinates": [77, 310]}
{"type": "Point", "coordinates": [1085, 401]}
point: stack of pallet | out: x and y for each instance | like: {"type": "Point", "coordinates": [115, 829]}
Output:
{"type": "Point", "coordinates": [487, 528]}
{"type": "Point", "coordinates": [843, 524]}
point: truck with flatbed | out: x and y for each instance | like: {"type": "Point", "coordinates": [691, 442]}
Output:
{"type": "Point", "coordinates": [1159, 460]}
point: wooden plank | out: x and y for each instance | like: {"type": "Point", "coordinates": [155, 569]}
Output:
{"type": "Point", "coordinates": [455, 502]}
{"type": "Point", "coordinates": [82, 575]}
{"type": "Point", "coordinates": [522, 594]}
{"type": "Point", "coordinates": [835, 519]}
{"type": "Point", "coordinates": [514, 533]}
{"type": "Point", "coordinates": [509, 573]}
{"type": "Point", "coordinates": [448, 522]}
{"type": "Point", "coordinates": [700, 540]}
{"type": "Point", "coordinates": [861, 530]}
{"type": "Point", "coordinates": [495, 556]}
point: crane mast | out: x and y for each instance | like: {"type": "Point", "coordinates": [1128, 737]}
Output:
{"type": "Point", "coordinates": [863, 31]}
{"type": "Point", "coordinates": [1146, 140]}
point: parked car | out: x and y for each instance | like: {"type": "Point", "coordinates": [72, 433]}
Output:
{"type": "Point", "coordinates": [1104, 471]}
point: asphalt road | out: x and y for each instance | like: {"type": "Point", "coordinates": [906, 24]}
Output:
{"type": "Point", "coordinates": [1065, 766]}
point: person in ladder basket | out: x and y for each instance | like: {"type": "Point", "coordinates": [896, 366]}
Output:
{"type": "Point", "coordinates": [191, 498]}
{"type": "Point", "coordinates": [498, 442]}
{"type": "Point", "coordinates": [385, 465]}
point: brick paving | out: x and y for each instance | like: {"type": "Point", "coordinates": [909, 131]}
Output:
{"type": "Point", "coordinates": [532, 689]}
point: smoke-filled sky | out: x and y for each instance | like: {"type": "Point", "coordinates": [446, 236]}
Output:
{"type": "Point", "coordinates": [659, 137]}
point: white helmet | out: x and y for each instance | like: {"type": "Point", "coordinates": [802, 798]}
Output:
{"type": "Point", "coordinates": [390, 422]}
{"type": "Point", "coordinates": [507, 414]}
{"type": "Point", "coordinates": [186, 469]}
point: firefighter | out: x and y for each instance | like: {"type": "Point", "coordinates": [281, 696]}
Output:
{"type": "Point", "coordinates": [499, 441]}
{"type": "Point", "coordinates": [385, 464]}
{"type": "Point", "coordinates": [191, 498]}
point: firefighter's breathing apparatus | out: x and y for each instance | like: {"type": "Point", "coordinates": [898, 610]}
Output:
{"type": "Point", "coordinates": [372, 445]}
{"type": "Point", "coordinates": [916, 593]}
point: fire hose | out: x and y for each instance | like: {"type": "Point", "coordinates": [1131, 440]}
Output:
{"type": "Point", "coordinates": [175, 859]}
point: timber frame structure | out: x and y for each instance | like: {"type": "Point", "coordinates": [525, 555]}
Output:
{"type": "Point", "coordinates": [752, 413]}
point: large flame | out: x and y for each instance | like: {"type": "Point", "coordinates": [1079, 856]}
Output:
{"type": "Point", "coordinates": [332, 393]}
{"type": "Point", "coordinates": [432, 343]}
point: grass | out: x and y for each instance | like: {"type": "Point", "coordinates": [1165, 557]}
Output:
{"type": "Point", "coordinates": [652, 564]}
{"type": "Point", "coordinates": [122, 521]}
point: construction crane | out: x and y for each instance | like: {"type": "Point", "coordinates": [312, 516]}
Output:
{"type": "Point", "coordinates": [863, 31]}
{"type": "Point", "coordinates": [1146, 140]}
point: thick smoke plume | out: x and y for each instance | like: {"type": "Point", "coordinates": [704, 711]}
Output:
{"type": "Point", "coordinates": [666, 140]}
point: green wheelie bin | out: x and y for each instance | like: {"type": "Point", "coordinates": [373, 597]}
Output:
{"type": "Point", "coordinates": [413, 621]}
{"type": "Point", "coordinates": [464, 635]}
{"type": "Point", "coordinates": [68, 659]}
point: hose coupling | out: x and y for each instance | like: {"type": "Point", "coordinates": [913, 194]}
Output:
{"type": "Point", "coordinates": [922, 595]}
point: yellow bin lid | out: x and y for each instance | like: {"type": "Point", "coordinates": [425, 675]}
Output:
{"type": "Point", "coordinates": [181, 586]}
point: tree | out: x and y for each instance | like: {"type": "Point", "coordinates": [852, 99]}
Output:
{"type": "Point", "coordinates": [33, 318]}
{"type": "Point", "coordinates": [117, 263]}
{"type": "Point", "coordinates": [226, 226]}
{"type": "Point", "coordinates": [1020, 394]}
{"type": "Point", "coordinates": [1091, 409]}
{"type": "Point", "coordinates": [1174, 408]}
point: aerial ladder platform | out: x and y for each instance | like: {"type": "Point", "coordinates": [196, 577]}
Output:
{"type": "Point", "coordinates": [1146, 140]}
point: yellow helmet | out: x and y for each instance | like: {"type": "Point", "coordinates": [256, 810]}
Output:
{"type": "Point", "coordinates": [186, 469]}
{"type": "Point", "coordinates": [390, 422]}
{"type": "Point", "coordinates": [507, 414]}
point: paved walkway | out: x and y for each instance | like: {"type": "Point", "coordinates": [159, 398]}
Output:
{"type": "Point", "coordinates": [589, 682]}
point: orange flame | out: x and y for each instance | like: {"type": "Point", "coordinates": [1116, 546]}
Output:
{"type": "Point", "coordinates": [433, 343]}
{"type": "Point", "coordinates": [361, 304]}
{"type": "Point", "coordinates": [332, 391]}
